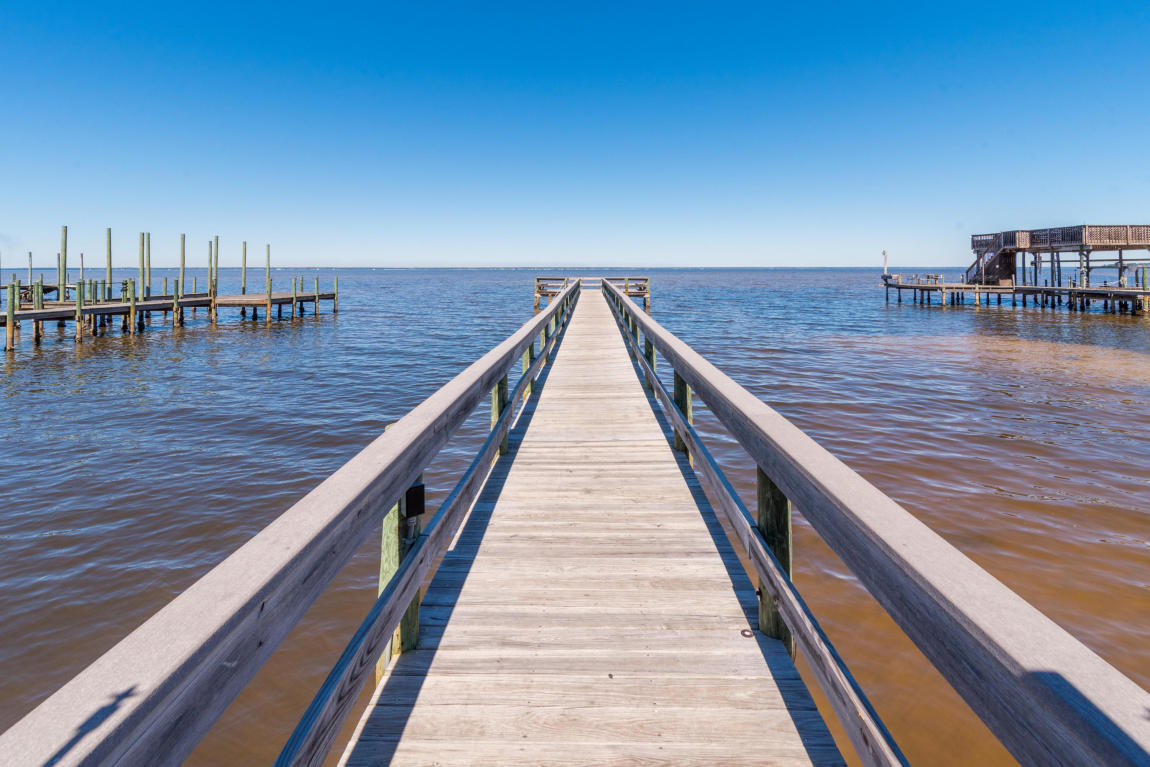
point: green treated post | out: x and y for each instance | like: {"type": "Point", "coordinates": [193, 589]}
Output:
{"type": "Point", "coordinates": [216, 262]}
{"type": "Point", "coordinates": [268, 318]}
{"type": "Point", "coordinates": [774, 522]}
{"type": "Point", "coordinates": [38, 303]}
{"type": "Point", "coordinates": [528, 360]}
{"type": "Point", "coordinates": [649, 354]}
{"type": "Point", "coordinates": [104, 295]}
{"type": "Point", "coordinates": [131, 307]}
{"type": "Point", "coordinates": [165, 285]}
{"type": "Point", "coordinates": [400, 530]}
{"type": "Point", "coordinates": [683, 402]}
{"type": "Point", "coordinates": [79, 312]}
{"type": "Point", "coordinates": [498, 405]}
{"type": "Point", "coordinates": [316, 296]}
{"type": "Point", "coordinates": [293, 298]}
{"type": "Point", "coordinates": [10, 320]}
{"type": "Point", "coordinates": [61, 293]}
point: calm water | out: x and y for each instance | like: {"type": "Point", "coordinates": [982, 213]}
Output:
{"type": "Point", "coordinates": [135, 464]}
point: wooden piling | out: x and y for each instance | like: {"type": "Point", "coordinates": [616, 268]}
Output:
{"type": "Point", "coordinates": [140, 284]}
{"type": "Point", "coordinates": [107, 260]}
{"type": "Point", "coordinates": [528, 359]}
{"type": "Point", "coordinates": [79, 312]}
{"type": "Point", "coordinates": [774, 523]}
{"type": "Point", "coordinates": [244, 276]}
{"type": "Point", "coordinates": [62, 266]}
{"type": "Point", "coordinates": [498, 405]}
{"type": "Point", "coordinates": [10, 319]}
{"type": "Point", "coordinates": [293, 298]}
{"type": "Point", "coordinates": [148, 268]}
{"type": "Point", "coordinates": [649, 354]}
{"type": "Point", "coordinates": [182, 279]}
{"type": "Point", "coordinates": [317, 296]}
{"type": "Point", "coordinates": [683, 402]}
{"type": "Point", "coordinates": [132, 320]}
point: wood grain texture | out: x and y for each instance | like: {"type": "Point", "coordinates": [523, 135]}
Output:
{"type": "Point", "coordinates": [152, 697]}
{"type": "Point", "coordinates": [1044, 694]}
{"type": "Point", "coordinates": [592, 610]}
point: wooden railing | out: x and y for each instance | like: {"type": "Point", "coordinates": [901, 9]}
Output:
{"type": "Point", "coordinates": [1047, 697]}
{"type": "Point", "coordinates": [153, 696]}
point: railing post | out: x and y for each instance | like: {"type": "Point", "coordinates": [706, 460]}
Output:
{"type": "Point", "coordinates": [498, 405]}
{"type": "Point", "coordinates": [528, 359]}
{"type": "Point", "coordinates": [774, 522]}
{"type": "Point", "coordinates": [683, 402]}
{"type": "Point", "coordinates": [649, 354]}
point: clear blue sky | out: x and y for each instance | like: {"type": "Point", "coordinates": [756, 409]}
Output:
{"type": "Point", "coordinates": [413, 133]}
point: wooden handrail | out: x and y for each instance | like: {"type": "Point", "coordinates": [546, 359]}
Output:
{"type": "Point", "coordinates": [154, 695]}
{"type": "Point", "coordinates": [317, 730]}
{"type": "Point", "coordinates": [866, 731]}
{"type": "Point", "coordinates": [1045, 695]}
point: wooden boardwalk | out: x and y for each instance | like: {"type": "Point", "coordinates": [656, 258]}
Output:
{"type": "Point", "coordinates": [592, 610]}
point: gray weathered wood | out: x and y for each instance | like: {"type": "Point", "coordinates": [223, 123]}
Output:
{"type": "Point", "coordinates": [864, 728]}
{"type": "Point", "coordinates": [312, 738]}
{"type": "Point", "coordinates": [1044, 694]}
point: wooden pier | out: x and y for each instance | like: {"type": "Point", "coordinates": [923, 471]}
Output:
{"type": "Point", "coordinates": [589, 608]}
{"type": "Point", "coordinates": [95, 305]}
{"type": "Point", "coordinates": [1000, 269]}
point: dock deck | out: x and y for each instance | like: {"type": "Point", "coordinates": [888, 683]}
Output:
{"type": "Point", "coordinates": [592, 610]}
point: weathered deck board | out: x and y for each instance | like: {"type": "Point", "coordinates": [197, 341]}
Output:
{"type": "Point", "coordinates": [591, 611]}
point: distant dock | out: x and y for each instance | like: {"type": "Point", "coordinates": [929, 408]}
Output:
{"type": "Point", "coordinates": [1028, 264]}
{"type": "Point", "coordinates": [95, 305]}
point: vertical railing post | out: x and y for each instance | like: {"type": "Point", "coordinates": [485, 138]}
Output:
{"type": "Point", "coordinates": [774, 523]}
{"type": "Point", "coordinates": [528, 359]}
{"type": "Point", "coordinates": [683, 402]}
{"type": "Point", "coordinates": [401, 528]}
{"type": "Point", "coordinates": [649, 354]}
{"type": "Point", "coordinates": [498, 405]}
{"type": "Point", "coordinates": [411, 507]}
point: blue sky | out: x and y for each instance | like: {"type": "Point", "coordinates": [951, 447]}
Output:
{"type": "Point", "coordinates": [677, 134]}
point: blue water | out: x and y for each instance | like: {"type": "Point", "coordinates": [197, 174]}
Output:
{"type": "Point", "coordinates": [136, 463]}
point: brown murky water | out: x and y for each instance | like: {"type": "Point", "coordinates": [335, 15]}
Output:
{"type": "Point", "coordinates": [134, 465]}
